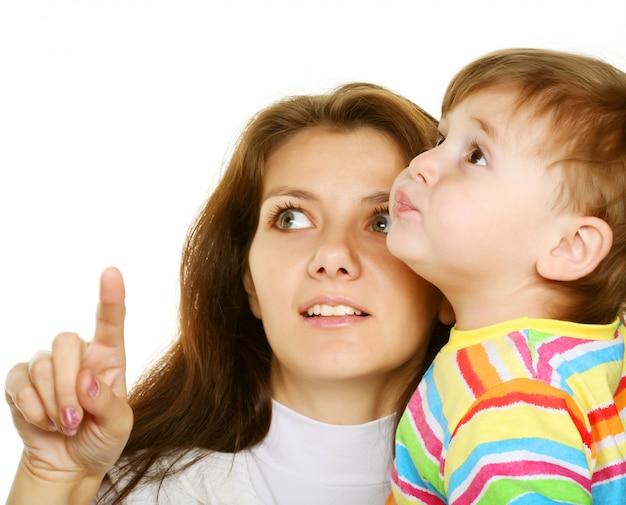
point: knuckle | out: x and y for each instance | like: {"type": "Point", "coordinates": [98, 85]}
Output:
{"type": "Point", "coordinates": [65, 339]}
{"type": "Point", "coordinates": [14, 373]}
{"type": "Point", "coordinates": [40, 367]}
{"type": "Point", "coordinates": [27, 401]}
{"type": "Point", "coordinates": [24, 397]}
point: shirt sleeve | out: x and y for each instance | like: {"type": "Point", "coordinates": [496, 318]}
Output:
{"type": "Point", "coordinates": [522, 440]}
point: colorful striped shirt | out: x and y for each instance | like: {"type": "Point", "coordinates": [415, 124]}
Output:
{"type": "Point", "coordinates": [526, 411]}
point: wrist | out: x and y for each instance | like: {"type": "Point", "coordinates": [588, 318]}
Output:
{"type": "Point", "coordinates": [35, 486]}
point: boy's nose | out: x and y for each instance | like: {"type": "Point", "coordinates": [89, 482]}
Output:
{"type": "Point", "coordinates": [423, 169]}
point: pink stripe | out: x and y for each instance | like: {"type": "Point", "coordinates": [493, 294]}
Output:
{"type": "Point", "coordinates": [431, 442]}
{"type": "Point", "coordinates": [515, 469]}
{"type": "Point", "coordinates": [547, 350]}
{"type": "Point", "coordinates": [610, 472]}
{"type": "Point", "coordinates": [413, 492]}
{"type": "Point", "coordinates": [520, 343]}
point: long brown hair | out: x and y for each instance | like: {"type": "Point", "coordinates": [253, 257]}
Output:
{"type": "Point", "coordinates": [211, 389]}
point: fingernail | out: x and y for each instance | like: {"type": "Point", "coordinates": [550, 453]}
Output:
{"type": "Point", "coordinates": [70, 417]}
{"type": "Point", "coordinates": [70, 432]}
{"type": "Point", "coordinates": [94, 387]}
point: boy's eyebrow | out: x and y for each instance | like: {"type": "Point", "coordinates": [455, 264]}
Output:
{"type": "Point", "coordinates": [375, 198]}
{"type": "Point", "coordinates": [485, 126]}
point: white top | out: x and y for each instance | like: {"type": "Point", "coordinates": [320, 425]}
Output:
{"type": "Point", "coordinates": [300, 461]}
{"type": "Point", "coordinates": [306, 462]}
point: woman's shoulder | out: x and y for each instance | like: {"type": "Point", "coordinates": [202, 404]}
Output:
{"type": "Point", "coordinates": [200, 477]}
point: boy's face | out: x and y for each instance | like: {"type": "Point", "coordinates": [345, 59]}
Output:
{"type": "Point", "coordinates": [476, 212]}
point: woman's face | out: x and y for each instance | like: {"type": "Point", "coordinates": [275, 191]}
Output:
{"type": "Point", "coordinates": [335, 305]}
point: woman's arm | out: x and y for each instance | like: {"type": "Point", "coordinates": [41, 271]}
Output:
{"type": "Point", "coordinates": [31, 487]}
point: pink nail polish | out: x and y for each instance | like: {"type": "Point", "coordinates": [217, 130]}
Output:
{"type": "Point", "coordinates": [70, 417]}
{"type": "Point", "coordinates": [94, 387]}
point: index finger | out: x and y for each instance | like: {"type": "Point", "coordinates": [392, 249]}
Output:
{"type": "Point", "coordinates": [111, 309]}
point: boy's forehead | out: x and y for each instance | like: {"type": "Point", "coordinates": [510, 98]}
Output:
{"type": "Point", "coordinates": [487, 108]}
{"type": "Point", "coordinates": [499, 113]}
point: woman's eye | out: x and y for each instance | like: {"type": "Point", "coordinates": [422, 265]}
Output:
{"type": "Point", "coordinates": [440, 140]}
{"type": "Point", "coordinates": [292, 219]}
{"type": "Point", "coordinates": [477, 157]}
{"type": "Point", "coordinates": [381, 222]}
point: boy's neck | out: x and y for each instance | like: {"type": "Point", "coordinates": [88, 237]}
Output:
{"type": "Point", "coordinates": [477, 310]}
{"type": "Point", "coordinates": [483, 316]}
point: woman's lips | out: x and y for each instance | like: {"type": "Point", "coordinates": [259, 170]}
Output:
{"type": "Point", "coordinates": [332, 306]}
{"type": "Point", "coordinates": [323, 309]}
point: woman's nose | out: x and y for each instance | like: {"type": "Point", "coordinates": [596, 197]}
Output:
{"type": "Point", "coordinates": [335, 258]}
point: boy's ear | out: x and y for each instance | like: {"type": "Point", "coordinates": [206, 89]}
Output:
{"type": "Point", "coordinates": [579, 252]}
{"type": "Point", "coordinates": [446, 312]}
{"type": "Point", "coordinates": [253, 300]}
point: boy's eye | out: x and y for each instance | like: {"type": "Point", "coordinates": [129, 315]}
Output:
{"type": "Point", "coordinates": [477, 157]}
{"type": "Point", "coordinates": [381, 222]}
{"type": "Point", "coordinates": [292, 219]}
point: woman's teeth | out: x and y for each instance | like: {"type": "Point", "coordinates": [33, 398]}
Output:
{"type": "Point", "coordinates": [333, 310]}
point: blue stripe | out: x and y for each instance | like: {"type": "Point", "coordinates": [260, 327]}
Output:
{"type": "Point", "coordinates": [610, 492]}
{"type": "Point", "coordinates": [540, 446]}
{"type": "Point", "coordinates": [404, 464]}
{"type": "Point", "coordinates": [537, 499]}
{"type": "Point", "coordinates": [589, 360]}
{"type": "Point", "coordinates": [435, 407]}
{"type": "Point", "coordinates": [407, 471]}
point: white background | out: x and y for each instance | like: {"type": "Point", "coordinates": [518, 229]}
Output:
{"type": "Point", "coordinates": [116, 116]}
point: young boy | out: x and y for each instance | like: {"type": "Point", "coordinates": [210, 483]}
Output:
{"type": "Point", "coordinates": [519, 217]}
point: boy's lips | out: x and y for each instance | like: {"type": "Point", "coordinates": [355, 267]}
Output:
{"type": "Point", "coordinates": [402, 203]}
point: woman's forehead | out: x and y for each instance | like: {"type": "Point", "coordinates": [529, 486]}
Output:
{"type": "Point", "coordinates": [359, 156]}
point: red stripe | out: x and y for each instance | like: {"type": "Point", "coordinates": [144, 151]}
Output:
{"type": "Point", "coordinates": [512, 396]}
{"type": "Point", "coordinates": [603, 414]}
{"type": "Point", "coordinates": [621, 387]}
{"type": "Point", "coordinates": [467, 371]}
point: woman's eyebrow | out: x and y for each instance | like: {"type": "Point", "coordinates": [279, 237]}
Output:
{"type": "Point", "coordinates": [290, 191]}
{"type": "Point", "coordinates": [375, 198]}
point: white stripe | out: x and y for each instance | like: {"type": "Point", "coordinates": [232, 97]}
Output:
{"type": "Point", "coordinates": [509, 457]}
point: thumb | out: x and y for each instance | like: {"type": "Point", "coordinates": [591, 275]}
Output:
{"type": "Point", "coordinates": [112, 414]}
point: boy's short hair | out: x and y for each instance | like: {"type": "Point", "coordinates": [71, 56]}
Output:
{"type": "Point", "coordinates": [583, 100]}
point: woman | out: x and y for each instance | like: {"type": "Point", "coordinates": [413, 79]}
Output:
{"type": "Point", "coordinates": [300, 336]}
